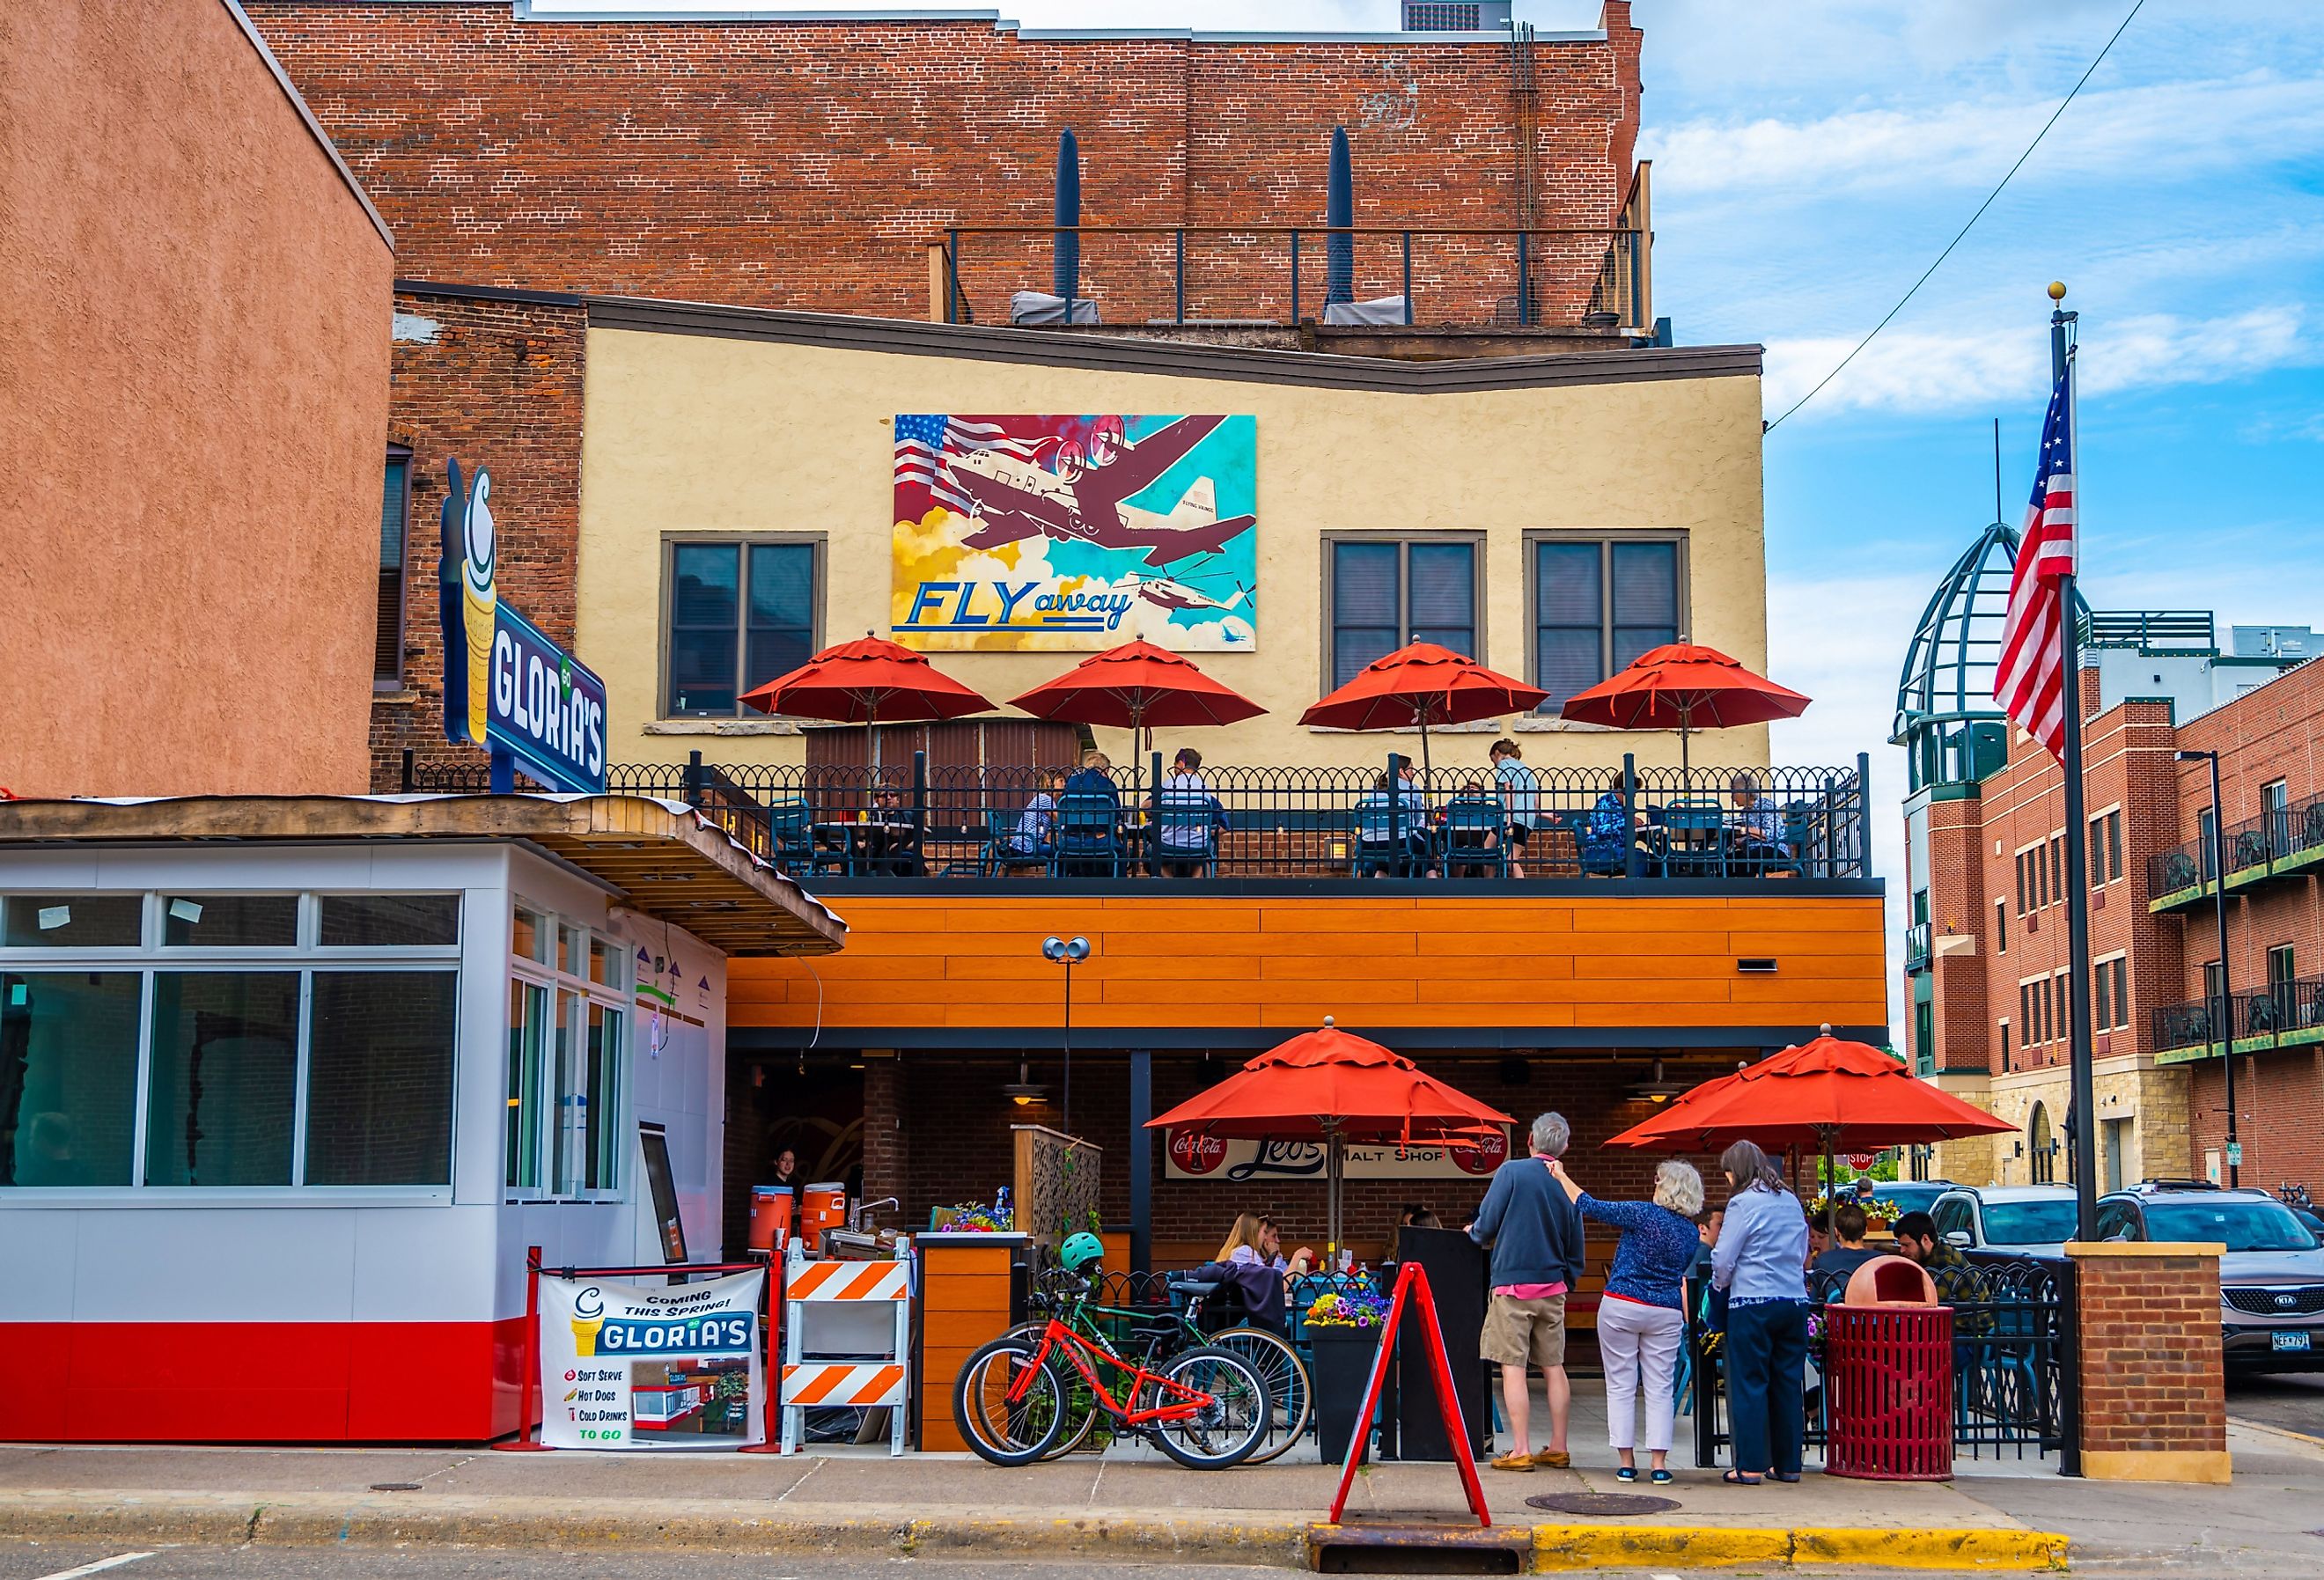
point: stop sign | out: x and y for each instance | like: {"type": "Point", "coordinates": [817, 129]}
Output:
{"type": "Point", "coordinates": [1859, 1162]}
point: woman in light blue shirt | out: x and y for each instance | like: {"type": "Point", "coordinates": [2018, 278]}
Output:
{"type": "Point", "coordinates": [1761, 1261]}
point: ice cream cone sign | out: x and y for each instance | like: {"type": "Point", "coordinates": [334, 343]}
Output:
{"type": "Point", "coordinates": [588, 1317]}
{"type": "Point", "coordinates": [478, 595]}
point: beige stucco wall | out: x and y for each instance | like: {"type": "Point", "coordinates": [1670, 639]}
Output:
{"type": "Point", "coordinates": [698, 433]}
{"type": "Point", "coordinates": [2153, 1099]}
{"type": "Point", "coordinates": [193, 414]}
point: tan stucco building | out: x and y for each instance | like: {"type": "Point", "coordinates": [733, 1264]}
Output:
{"type": "Point", "coordinates": [714, 425]}
{"type": "Point", "coordinates": [193, 418]}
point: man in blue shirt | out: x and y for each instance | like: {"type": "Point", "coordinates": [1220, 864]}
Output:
{"type": "Point", "coordinates": [1535, 1234]}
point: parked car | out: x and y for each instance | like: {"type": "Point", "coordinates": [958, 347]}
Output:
{"type": "Point", "coordinates": [1898, 1196]}
{"type": "Point", "coordinates": [2271, 1279]}
{"type": "Point", "coordinates": [2022, 1220]}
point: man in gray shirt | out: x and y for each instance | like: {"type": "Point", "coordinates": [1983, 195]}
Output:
{"type": "Point", "coordinates": [1535, 1235]}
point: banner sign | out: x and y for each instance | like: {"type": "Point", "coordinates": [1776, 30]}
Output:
{"type": "Point", "coordinates": [649, 1366]}
{"type": "Point", "coordinates": [1199, 1157]}
{"type": "Point", "coordinates": [507, 687]}
{"type": "Point", "coordinates": [1043, 532]}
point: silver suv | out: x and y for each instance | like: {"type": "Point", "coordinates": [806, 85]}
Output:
{"type": "Point", "coordinates": [2022, 1220]}
{"type": "Point", "coordinates": [2271, 1279]}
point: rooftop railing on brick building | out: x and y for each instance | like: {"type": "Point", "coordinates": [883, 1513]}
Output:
{"type": "Point", "coordinates": [912, 820]}
{"type": "Point", "coordinates": [1151, 276]}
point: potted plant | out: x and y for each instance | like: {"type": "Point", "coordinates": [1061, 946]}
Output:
{"type": "Point", "coordinates": [1343, 1331]}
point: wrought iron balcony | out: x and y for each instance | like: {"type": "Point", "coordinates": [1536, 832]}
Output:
{"type": "Point", "coordinates": [1916, 947]}
{"type": "Point", "coordinates": [2282, 844]}
{"type": "Point", "coordinates": [2189, 1025]}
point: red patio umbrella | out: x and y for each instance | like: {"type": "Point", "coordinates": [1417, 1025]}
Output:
{"type": "Point", "coordinates": [1137, 687]}
{"type": "Point", "coordinates": [866, 682]}
{"type": "Point", "coordinates": [1829, 1093]}
{"type": "Point", "coordinates": [1683, 687]}
{"type": "Point", "coordinates": [1421, 684]}
{"type": "Point", "coordinates": [1335, 1088]}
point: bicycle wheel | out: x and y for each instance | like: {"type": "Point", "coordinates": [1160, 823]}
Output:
{"type": "Point", "coordinates": [1080, 1407]}
{"type": "Point", "coordinates": [1290, 1391]}
{"type": "Point", "coordinates": [1223, 1431]}
{"type": "Point", "coordinates": [1004, 1431]}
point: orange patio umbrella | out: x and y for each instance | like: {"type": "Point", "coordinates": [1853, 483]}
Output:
{"type": "Point", "coordinates": [867, 682]}
{"type": "Point", "coordinates": [1683, 687]}
{"type": "Point", "coordinates": [1829, 1093]}
{"type": "Point", "coordinates": [1419, 685]}
{"type": "Point", "coordinates": [1334, 1087]}
{"type": "Point", "coordinates": [1137, 687]}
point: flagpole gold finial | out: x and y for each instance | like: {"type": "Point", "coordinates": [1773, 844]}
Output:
{"type": "Point", "coordinates": [2056, 290]}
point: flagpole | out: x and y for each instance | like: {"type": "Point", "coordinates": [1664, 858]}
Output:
{"type": "Point", "coordinates": [2082, 1133]}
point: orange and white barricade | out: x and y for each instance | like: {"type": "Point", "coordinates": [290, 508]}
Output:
{"type": "Point", "coordinates": [847, 1341]}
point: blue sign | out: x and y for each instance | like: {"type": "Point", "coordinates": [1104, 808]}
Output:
{"type": "Point", "coordinates": [507, 687]}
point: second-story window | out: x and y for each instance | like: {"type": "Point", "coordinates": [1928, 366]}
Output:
{"type": "Point", "coordinates": [394, 538]}
{"type": "Point", "coordinates": [1386, 592]}
{"type": "Point", "coordinates": [2001, 927]}
{"type": "Point", "coordinates": [1598, 603]}
{"type": "Point", "coordinates": [736, 613]}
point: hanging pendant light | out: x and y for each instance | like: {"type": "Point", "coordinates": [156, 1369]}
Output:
{"type": "Point", "coordinates": [1024, 1091]}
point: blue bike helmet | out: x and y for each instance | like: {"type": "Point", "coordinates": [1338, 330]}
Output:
{"type": "Point", "coordinates": [1080, 1251]}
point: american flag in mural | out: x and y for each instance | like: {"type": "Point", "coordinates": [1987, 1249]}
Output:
{"type": "Point", "coordinates": [924, 442]}
{"type": "Point", "coordinates": [2031, 680]}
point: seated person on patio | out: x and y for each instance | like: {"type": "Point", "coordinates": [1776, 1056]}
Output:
{"type": "Point", "coordinates": [1466, 838]}
{"type": "Point", "coordinates": [1847, 1251]}
{"type": "Point", "coordinates": [1520, 797]}
{"type": "Point", "coordinates": [1758, 826]}
{"type": "Point", "coordinates": [1093, 780]}
{"type": "Point", "coordinates": [1603, 847]}
{"type": "Point", "coordinates": [1186, 839]}
{"type": "Point", "coordinates": [1958, 1282]}
{"type": "Point", "coordinates": [1037, 830]}
{"type": "Point", "coordinates": [1094, 777]}
{"type": "Point", "coordinates": [1377, 812]}
{"type": "Point", "coordinates": [893, 851]}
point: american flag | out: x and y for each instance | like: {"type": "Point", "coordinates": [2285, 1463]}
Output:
{"type": "Point", "coordinates": [926, 442]}
{"type": "Point", "coordinates": [2031, 681]}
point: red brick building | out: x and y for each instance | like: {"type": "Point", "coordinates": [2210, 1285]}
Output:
{"type": "Point", "coordinates": [1985, 960]}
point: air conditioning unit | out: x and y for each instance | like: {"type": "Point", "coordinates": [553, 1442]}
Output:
{"type": "Point", "coordinates": [1455, 15]}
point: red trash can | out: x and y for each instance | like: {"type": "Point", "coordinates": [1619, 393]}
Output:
{"type": "Point", "coordinates": [1888, 1379]}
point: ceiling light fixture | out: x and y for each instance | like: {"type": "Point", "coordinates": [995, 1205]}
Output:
{"type": "Point", "coordinates": [1024, 1091]}
{"type": "Point", "coordinates": [1658, 1090]}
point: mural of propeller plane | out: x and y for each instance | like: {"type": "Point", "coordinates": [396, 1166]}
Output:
{"type": "Point", "coordinates": [1081, 494]}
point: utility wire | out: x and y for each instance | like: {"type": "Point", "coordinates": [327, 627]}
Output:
{"type": "Point", "coordinates": [2137, 6]}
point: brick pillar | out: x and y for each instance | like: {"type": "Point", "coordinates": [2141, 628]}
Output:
{"type": "Point", "coordinates": [2152, 1388]}
{"type": "Point", "coordinates": [885, 1156]}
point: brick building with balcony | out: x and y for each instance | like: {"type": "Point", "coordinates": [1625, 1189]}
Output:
{"type": "Point", "coordinates": [1985, 969]}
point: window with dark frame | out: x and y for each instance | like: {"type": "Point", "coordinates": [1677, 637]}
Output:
{"type": "Point", "coordinates": [2001, 927]}
{"type": "Point", "coordinates": [394, 549]}
{"type": "Point", "coordinates": [2121, 992]}
{"type": "Point", "coordinates": [2102, 996]}
{"type": "Point", "coordinates": [2114, 845]}
{"type": "Point", "coordinates": [2056, 893]}
{"type": "Point", "coordinates": [1599, 603]}
{"type": "Point", "coordinates": [2004, 1048]}
{"type": "Point", "coordinates": [2022, 883]}
{"type": "Point", "coordinates": [1387, 592]}
{"type": "Point", "coordinates": [736, 614]}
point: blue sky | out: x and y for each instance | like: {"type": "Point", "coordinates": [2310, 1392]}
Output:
{"type": "Point", "coordinates": [1811, 157]}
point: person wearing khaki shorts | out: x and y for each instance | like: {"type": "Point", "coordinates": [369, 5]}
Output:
{"type": "Point", "coordinates": [1535, 1235]}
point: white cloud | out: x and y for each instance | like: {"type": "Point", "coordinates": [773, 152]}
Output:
{"type": "Point", "coordinates": [1925, 370]}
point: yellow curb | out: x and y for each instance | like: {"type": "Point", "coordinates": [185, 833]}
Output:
{"type": "Point", "coordinates": [1562, 1548]}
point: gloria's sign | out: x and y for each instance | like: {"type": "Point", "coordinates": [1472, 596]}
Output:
{"type": "Point", "coordinates": [1199, 1157]}
{"type": "Point", "coordinates": [507, 687]}
{"type": "Point", "coordinates": [1058, 532]}
{"type": "Point", "coordinates": [636, 1366]}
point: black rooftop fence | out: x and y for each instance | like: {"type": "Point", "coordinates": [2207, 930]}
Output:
{"type": "Point", "coordinates": [912, 819]}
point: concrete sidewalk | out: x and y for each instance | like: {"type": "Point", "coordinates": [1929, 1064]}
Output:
{"type": "Point", "coordinates": [1129, 1504]}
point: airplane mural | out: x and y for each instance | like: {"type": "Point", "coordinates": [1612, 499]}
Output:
{"type": "Point", "coordinates": [1056, 532]}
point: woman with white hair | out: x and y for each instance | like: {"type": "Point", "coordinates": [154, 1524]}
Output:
{"type": "Point", "coordinates": [1644, 1314]}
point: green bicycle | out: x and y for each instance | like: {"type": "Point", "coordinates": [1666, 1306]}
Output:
{"type": "Point", "coordinates": [1155, 1333]}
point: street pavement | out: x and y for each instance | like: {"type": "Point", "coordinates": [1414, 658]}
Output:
{"type": "Point", "coordinates": [2289, 1401]}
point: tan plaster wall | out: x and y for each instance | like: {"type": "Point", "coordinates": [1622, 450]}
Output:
{"type": "Point", "coordinates": [696, 433]}
{"type": "Point", "coordinates": [193, 410]}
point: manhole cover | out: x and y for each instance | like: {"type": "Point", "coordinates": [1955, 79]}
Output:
{"type": "Point", "coordinates": [1602, 1503]}
{"type": "Point", "coordinates": [395, 1487]}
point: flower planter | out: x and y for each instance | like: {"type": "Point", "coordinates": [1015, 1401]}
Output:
{"type": "Point", "coordinates": [1342, 1365]}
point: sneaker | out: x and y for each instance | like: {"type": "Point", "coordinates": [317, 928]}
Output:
{"type": "Point", "coordinates": [1662, 1478]}
{"type": "Point", "coordinates": [1515, 1459]}
{"type": "Point", "coordinates": [1553, 1459]}
{"type": "Point", "coordinates": [1626, 1474]}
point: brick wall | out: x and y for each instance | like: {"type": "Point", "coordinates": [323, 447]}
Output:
{"type": "Point", "coordinates": [495, 382]}
{"type": "Point", "coordinates": [805, 164]}
{"type": "Point", "coordinates": [2152, 1378]}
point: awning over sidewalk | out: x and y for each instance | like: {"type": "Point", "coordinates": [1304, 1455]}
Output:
{"type": "Point", "coordinates": [668, 861]}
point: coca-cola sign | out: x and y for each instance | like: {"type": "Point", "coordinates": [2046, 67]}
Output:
{"type": "Point", "coordinates": [1191, 1156]}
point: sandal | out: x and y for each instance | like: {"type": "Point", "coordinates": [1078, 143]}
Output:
{"type": "Point", "coordinates": [1662, 1478]}
{"type": "Point", "coordinates": [1794, 1477]}
{"type": "Point", "coordinates": [1736, 1478]}
{"type": "Point", "coordinates": [1629, 1472]}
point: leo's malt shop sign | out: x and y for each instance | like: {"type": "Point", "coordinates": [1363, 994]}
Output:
{"type": "Point", "coordinates": [639, 1366]}
{"type": "Point", "coordinates": [1202, 1157]}
{"type": "Point", "coordinates": [507, 687]}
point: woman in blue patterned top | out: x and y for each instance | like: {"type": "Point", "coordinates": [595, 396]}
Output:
{"type": "Point", "coordinates": [1644, 1314]}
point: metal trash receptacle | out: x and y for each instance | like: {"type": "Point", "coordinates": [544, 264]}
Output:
{"type": "Point", "coordinates": [1888, 1376]}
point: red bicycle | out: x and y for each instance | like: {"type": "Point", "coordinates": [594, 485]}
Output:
{"type": "Point", "coordinates": [1206, 1407]}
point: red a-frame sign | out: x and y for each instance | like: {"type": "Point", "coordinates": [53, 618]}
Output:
{"type": "Point", "coordinates": [1412, 1284]}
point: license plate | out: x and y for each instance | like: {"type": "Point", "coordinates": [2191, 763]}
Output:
{"type": "Point", "coordinates": [2287, 1341]}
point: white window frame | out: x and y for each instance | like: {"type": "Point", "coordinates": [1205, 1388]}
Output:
{"type": "Point", "coordinates": [564, 991]}
{"type": "Point", "coordinates": [304, 955]}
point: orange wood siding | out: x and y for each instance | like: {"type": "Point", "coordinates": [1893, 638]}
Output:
{"type": "Point", "coordinates": [1400, 960]}
{"type": "Point", "coordinates": [963, 1305]}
